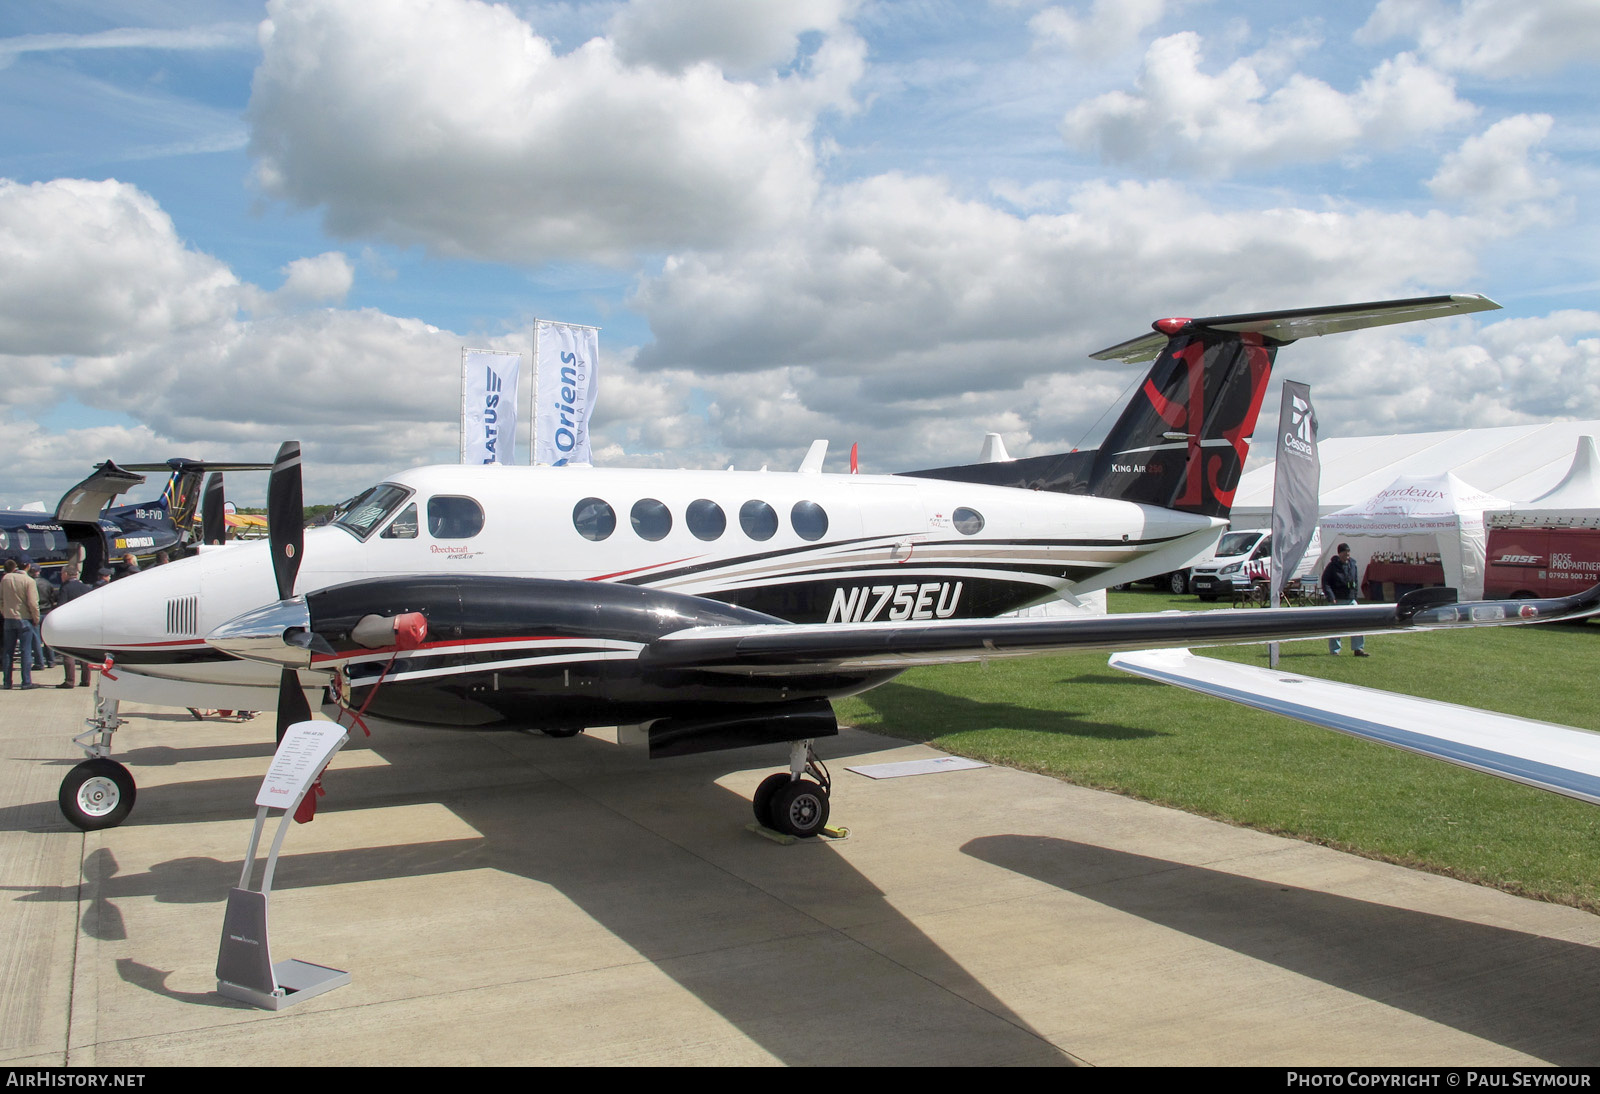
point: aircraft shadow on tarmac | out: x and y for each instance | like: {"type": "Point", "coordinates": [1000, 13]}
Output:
{"type": "Point", "coordinates": [774, 953]}
{"type": "Point", "coordinates": [1532, 993]}
{"type": "Point", "coordinates": [905, 705]}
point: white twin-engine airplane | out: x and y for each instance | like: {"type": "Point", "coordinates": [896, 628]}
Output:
{"type": "Point", "coordinates": [722, 609]}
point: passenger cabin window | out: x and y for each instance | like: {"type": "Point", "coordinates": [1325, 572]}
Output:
{"type": "Point", "coordinates": [23, 540]}
{"type": "Point", "coordinates": [5, 541]}
{"type": "Point", "coordinates": [367, 511]}
{"type": "Point", "coordinates": [809, 519]}
{"type": "Point", "coordinates": [758, 520]}
{"type": "Point", "coordinates": [706, 519]}
{"type": "Point", "coordinates": [652, 520]}
{"type": "Point", "coordinates": [403, 526]}
{"type": "Point", "coordinates": [594, 519]}
{"type": "Point", "coordinates": [969, 522]}
{"type": "Point", "coordinates": [451, 517]}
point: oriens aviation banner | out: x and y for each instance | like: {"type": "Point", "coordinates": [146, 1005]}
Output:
{"type": "Point", "coordinates": [489, 405]}
{"type": "Point", "coordinates": [568, 381]}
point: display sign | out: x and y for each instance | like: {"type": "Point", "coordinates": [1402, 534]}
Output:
{"type": "Point", "coordinates": [304, 751]}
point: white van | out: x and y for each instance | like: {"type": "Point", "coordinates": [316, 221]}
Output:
{"type": "Point", "coordinates": [1230, 568]}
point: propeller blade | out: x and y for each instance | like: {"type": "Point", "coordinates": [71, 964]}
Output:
{"type": "Point", "coordinates": [213, 528]}
{"type": "Point", "coordinates": [286, 517]}
{"type": "Point", "coordinates": [292, 705]}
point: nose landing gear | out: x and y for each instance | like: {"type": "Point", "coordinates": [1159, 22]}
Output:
{"type": "Point", "coordinates": [98, 793]}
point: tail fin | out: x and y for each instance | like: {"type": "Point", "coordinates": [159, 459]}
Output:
{"type": "Point", "coordinates": [182, 497]}
{"type": "Point", "coordinates": [1182, 440]}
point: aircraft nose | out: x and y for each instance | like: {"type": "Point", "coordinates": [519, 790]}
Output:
{"type": "Point", "coordinates": [268, 634]}
{"type": "Point", "coordinates": [77, 626]}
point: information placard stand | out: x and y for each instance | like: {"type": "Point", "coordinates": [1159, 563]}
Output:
{"type": "Point", "coordinates": [245, 969]}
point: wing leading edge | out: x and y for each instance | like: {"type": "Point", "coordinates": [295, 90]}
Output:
{"type": "Point", "coordinates": [1552, 757]}
{"type": "Point", "coordinates": [775, 649]}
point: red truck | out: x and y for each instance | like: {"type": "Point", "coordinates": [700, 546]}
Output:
{"type": "Point", "coordinates": [1541, 561]}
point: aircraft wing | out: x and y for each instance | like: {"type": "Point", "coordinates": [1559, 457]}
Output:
{"type": "Point", "coordinates": [1551, 757]}
{"type": "Point", "coordinates": [774, 649]}
{"type": "Point", "coordinates": [1288, 326]}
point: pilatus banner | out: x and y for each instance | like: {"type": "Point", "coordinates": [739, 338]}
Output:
{"type": "Point", "coordinates": [1296, 483]}
{"type": "Point", "coordinates": [489, 405]}
{"type": "Point", "coordinates": [567, 382]}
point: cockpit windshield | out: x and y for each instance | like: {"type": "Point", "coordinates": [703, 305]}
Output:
{"type": "Point", "coordinates": [368, 510]}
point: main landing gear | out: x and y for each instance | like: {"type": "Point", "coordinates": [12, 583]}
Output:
{"type": "Point", "coordinates": [788, 803]}
{"type": "Point", "coordinates": [98, 793]}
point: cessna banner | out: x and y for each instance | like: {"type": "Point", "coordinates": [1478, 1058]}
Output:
{"type": "Point", "coordinates": [722, 609]}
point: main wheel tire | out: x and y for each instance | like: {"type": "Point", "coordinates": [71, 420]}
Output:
{"type": "Point", "coordinates": [800, 809]}
{"type": "Point", "coordinates": [97, 794]}
{"type": "Point", "coordinates": [761, 802]}
{"type": "Point", "coordinates": [1178, 582]}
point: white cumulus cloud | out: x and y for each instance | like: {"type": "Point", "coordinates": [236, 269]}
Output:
{"type": "Point", "coordinates": [452, 124]}
{"type": "Point", "coordinates": [1109, 26]}
{"type": "Point", "coordinates": [1183, 119]}
{"type": "Point", "coordinates": [97, 267]}
{"type": "Point", "coordinates": [1498, 170]}
{"type": "Point", "coordinates": [1494, 38]}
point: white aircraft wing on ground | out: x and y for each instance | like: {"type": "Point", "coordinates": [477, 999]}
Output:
{"type": "Point", "coordinates": [1552, 757]}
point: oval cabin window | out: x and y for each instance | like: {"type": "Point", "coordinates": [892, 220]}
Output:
{"type": "Point", "coordinates": [652, 520]}
{"type": "Point", "coordinates": [810, 520]}
{"type": "Point", "coordinates": [594, 519]}
{"type": "Point", "coordinates": [969, 522]}
{"type": "Point", "coordinates": [706, 519]}
{"type": "Point", "coordinates": [758, 519]}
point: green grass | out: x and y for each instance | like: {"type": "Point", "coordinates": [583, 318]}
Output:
{"type": "Point", "coordinates": [1073, 717]}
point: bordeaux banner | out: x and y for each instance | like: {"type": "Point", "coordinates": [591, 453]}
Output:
{"type": "Point", "coordinates": [489, 385]}
{"type": "Point", "coordinates": [1296, 483]}
{"type": "Point", "coordinates": [566, 384]}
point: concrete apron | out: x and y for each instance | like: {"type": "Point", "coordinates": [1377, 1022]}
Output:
{"type": "Point", "coordinates": [508, 898]}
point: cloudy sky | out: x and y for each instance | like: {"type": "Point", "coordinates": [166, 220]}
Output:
{"type": "Point", "coordinates": [902, 223]}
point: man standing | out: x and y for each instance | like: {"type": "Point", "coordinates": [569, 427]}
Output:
{"type": "Point", "coordinates": [1340, 583]}
{"type": "Point", "coordinates": [43, 656]}
{"type": "Point", "coordinates": [19, 611]}
{"type": "Point", "coordinates": [71, 589]}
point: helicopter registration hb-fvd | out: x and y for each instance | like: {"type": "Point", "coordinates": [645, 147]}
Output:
{"type": "Point", "coordinates": [722, 609]}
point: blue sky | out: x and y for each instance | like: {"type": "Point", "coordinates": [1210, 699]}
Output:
{"type": "Point", "coordinates": [898, 223]}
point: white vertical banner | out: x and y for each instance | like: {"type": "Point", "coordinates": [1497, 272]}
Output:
{"type": "Point", "coordinates": [567, 380]}
{"type": "Point", "coordinates": [489, 404]}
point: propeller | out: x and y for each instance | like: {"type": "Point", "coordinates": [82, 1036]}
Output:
{"type": "Point", "coordinates": [286, 517]}
{"type": "Point", "coordinates": [213, 526]}
{"type": "Point", "coordinates": [286, 534]}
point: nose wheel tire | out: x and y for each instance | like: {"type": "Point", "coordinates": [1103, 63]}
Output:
{"type": "Point", "coordinates": [97, 794]}
{"type": "Point", "coordinates": [761, 803]}
{"type": "Point", "coordinates": [800, 808]}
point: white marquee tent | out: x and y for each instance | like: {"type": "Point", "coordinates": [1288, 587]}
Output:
{"type": "Point", "coordinates": [1516, 463]}
{"type": "Point", "coordinates": [1439, 508]}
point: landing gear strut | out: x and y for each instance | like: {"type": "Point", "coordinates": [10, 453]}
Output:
{"type": "Point", "coordinates": [98, 793]}
{"type": "Point", "coordinates": [788, 803]}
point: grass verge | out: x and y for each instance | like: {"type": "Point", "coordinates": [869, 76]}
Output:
{"type": "Point", "coordinates": [1073, 717]}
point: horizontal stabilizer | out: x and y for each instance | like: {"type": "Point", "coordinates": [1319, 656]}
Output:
{"type": "Point", "coordinates": [1288, 326]}
{"type": "Point", "coordinates": [1551, 757]}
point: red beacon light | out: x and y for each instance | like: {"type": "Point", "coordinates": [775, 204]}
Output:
{"type": "Point", "coordinates": [1169, 327]}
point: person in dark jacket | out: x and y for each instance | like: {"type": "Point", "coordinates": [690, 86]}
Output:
{"type": "Point", "coordinates": [71, 589]}
{"type": "Point", "coordinates": [1342, 585]}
